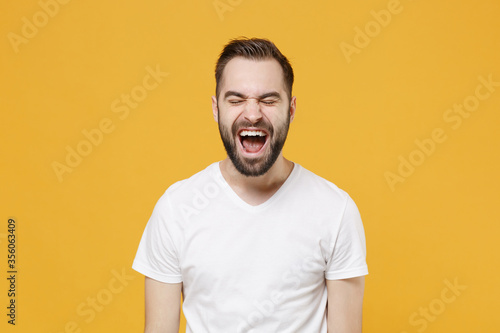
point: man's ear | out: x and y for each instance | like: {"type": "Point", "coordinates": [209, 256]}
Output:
{"type": "Point", "coordinates": [215, 109]}
{"type": "Point", "coordinates": [293, 106]}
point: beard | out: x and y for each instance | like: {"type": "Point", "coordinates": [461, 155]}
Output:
{"type": "Point", "coordinates": [253, 167]}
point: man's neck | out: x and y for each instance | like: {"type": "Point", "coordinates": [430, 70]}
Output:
{"type": "Point", "coordinates": [257, 189]}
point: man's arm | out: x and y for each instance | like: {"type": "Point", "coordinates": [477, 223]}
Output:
{"type": "Point", "coordinates": [163, 309]}
{"type": "Point", "coordinates": [345, 304]}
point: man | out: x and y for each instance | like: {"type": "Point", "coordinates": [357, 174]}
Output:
{"type": "Point", "coordinates": [255, 243]}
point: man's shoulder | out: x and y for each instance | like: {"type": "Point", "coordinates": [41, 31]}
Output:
{"type": "Point", "coordinates": [188, 185]}
{"type": "Point", "coordinates": [319, 185]}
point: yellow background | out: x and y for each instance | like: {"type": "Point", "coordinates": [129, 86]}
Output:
{"type": "Point", "coordinates": [354, 120]}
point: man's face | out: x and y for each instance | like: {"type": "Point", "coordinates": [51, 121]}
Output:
{"type": "Point", "coordinates": [253, 112]}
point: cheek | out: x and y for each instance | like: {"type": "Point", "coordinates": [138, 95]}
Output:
{"type": "Point", "coordinates": [226, 117]}
{"type": "Point", "coordinates": [277, 118]}
{"type": "Point", "coordinates": [229, 122]}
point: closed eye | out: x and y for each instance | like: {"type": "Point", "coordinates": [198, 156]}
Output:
{"type": "Point", "coordinates": [265, 102]}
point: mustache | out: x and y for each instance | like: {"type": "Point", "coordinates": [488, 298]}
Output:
{"type": "Point", "coordinates": [259, 125]}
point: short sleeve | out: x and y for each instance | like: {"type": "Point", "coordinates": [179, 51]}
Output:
{"type": "Point", "coordinates": [348, 246]}
{"type": "Point", "coordinates": [157, 256]}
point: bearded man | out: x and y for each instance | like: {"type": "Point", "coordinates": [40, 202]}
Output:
{"type": "Point", "coordinates": [255, 242]}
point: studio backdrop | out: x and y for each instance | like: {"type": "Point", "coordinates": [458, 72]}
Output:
{"type": "Point", "coordinates": [104, 104]}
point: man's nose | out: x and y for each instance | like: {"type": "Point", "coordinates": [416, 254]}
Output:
{"type": "Point", "coordinates": [252, 111]}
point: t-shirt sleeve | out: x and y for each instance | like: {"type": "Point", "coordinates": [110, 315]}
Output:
{"type": "Point", "coordinates": [157, 256]}
{"type": "Point", "coordinates": [348, 246]}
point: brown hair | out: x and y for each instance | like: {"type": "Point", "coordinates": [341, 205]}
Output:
{"type": "Point", "coordinates": [255, 49]}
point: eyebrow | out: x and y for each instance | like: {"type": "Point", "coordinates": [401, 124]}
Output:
{"type": "Point", "coordinates": [265, 95]}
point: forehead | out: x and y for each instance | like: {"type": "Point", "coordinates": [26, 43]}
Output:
{"type": "Point", "coordinates": [252, 76]}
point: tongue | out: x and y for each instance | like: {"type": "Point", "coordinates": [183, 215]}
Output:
{"type": "Point", "coordinates": [253, 144]}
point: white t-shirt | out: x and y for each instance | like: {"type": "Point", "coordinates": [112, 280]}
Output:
{"type": "Point", "coordinates": [251, 268]}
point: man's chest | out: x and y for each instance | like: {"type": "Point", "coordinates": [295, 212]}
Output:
{"type": "Point", "coordinates": [261, 256]}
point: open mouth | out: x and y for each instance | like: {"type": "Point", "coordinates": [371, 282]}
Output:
{"type": "Point", "coordinates": [252, 141]}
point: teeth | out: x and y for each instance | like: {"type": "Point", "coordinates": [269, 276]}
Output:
{"type": "Point", "coordinates": [252, 133]}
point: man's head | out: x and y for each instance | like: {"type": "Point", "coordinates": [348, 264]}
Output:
{"type": "Point", "coordinates": [254, 49]}
{"type": "Point", "coordinates": [253, 104]}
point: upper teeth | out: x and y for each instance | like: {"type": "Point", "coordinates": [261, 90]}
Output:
{"type": "Point", "coordinates": [252, 133]}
